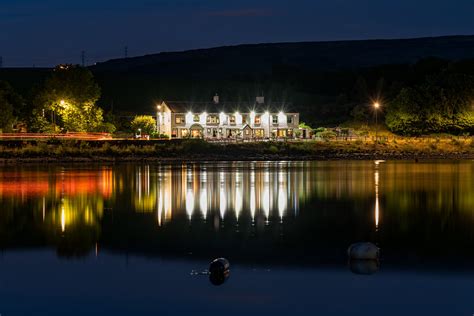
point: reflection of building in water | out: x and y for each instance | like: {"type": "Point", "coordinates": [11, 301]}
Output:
{"type": "Point", "coordinates": [196, 191]}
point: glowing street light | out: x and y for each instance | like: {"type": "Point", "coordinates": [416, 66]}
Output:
{"type": "Point", "coordinates": [376, 108]}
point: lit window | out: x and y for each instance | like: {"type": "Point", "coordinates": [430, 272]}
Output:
{"type": "Point", "coordinates": [232, 119]}
{"type": "Point", "coordinates": [179, 119]}
{"type": "Point", "coordinates": [196, 118]}
{"type": "Point", "coordinates": [213, 119]}
{"type": "Point", "coordinates": [257, 119]}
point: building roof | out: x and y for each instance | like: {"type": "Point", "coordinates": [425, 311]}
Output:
{"type": "Point", "coordinates": [211, 107]}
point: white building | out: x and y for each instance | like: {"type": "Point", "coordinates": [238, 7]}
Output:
{"type": "Point", "coordinates": [216, 120]}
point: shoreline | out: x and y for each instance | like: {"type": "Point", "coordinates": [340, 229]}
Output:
{"type": "Point", "coordinates": [198, 150]}
{"type": "Point", "coordinates": [197, 159]}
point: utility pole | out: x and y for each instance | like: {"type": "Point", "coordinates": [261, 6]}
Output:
{"type": "Point", "coordinates": [83, 58]}
{"type": "Point", "coordinates": [125, 51]}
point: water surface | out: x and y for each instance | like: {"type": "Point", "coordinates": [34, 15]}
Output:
{"type": "Point", "coordinates": [123, 239]}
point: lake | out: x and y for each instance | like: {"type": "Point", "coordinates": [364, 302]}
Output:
{"type": "Point", "coordinates": [132, 239]}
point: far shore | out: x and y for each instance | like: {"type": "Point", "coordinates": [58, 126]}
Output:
{"type": "Point", "coordinates": [80, 151]}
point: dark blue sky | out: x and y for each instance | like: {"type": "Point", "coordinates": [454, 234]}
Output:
{"type": "Point", "coordinates": [48, 32]}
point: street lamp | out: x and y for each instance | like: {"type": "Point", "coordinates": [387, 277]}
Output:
{"type": "Point", "coordinates": [376, 108]}
{"type": "Point", "coordinates": [158, 119]}
{"type": "Point", "coordinates": [62, 103]}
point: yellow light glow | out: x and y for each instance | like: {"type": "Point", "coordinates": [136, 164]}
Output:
{"type": "Point", "coordinates": [376, 105]}
{"type": "Point", "coordinates": [63, 219]}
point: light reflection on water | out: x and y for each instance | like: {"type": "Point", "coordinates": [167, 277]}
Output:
{"type": "Point", "coordinates": [302, 204]}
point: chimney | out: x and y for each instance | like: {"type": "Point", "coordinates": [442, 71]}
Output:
{"type": "Point", "coordinates": [216, 99]}
{"type": "Point", "coordinates": [260, 99]}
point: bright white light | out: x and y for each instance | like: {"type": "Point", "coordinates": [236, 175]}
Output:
{"type": "Point", "coordinates": [63, 219]}
{"type": "Point", "coordinates": [203, 201]}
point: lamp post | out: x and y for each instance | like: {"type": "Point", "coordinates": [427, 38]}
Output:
{"type": "Point", "coordinates": [158, 119]}
{"type": "Point", "coordinates": [376, 108]}
{"type": "Point", "coordinates": [62, 103]}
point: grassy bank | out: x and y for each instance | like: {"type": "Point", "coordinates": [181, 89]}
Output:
{"type": "Point", "coordinates": [187, 150]}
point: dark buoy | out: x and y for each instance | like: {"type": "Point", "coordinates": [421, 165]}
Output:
{"type": "Point", "coordinates": [219, 271]}
{"type": "Point", "coordinates": [363, 258]}
{"type": "Point", "coordinates": [365, 267]}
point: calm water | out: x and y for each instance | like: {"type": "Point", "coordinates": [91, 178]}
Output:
{"type": "Point", "coordinates": [124, 239]}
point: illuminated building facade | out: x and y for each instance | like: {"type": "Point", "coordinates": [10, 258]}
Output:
{"type": "Point", "coordinates": [216, 120]}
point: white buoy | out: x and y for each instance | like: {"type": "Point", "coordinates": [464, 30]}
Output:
{"type": "Point", "coordinates": [363, 251]}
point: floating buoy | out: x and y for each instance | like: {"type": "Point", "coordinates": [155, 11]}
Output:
{"type": "Point", "coordinates": [363, 251]}
{"type": "Point", "coordinates": [365, 267]}
{"type": "Point", "coordinates": [219, 270]}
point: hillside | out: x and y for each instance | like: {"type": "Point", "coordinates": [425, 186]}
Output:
{"type": "Point", "coordinates": [322, 56]}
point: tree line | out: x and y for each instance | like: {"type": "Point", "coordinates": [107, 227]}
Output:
{"type": "Point", "coordinates": [431, 95]}
{"type": "Point", "coordinates": [66, 101]}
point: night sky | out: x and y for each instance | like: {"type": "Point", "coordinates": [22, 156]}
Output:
{"type": "Point", "coordinates": [48, 32]}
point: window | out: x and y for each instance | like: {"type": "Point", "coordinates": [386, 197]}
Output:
{"type": "Point", "coordinates": [196, 118]}
{"type": "Point", "coordinates": [179, 119]}
{"type": "Point", "coordinates": [208, 130]}
{"type": "Point", "coordinates": [257, 119]}
{"type": "Point", "coordinates": [275, 119]}
{"type": "Point", "coordinates": [246, 132]}
{"type": "Point", "coordinates": [212, 119]}
{"type": "Point", "coordinates": [289, 119]}
{"type": "Point", "coordinates": [232, 119]}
